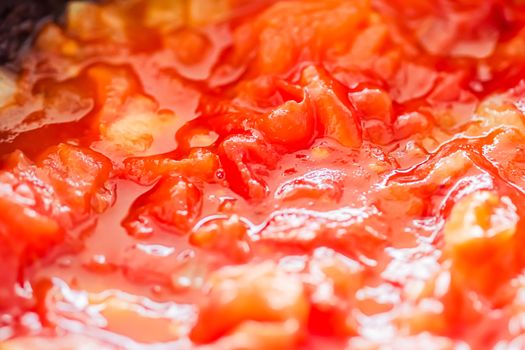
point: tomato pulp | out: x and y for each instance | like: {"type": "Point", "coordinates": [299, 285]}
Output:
{"type": "Point", "coordinates": [234, 174]}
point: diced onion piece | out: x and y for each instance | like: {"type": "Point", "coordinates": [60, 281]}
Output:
{"type": "Point", "coordinates": [137, 127]}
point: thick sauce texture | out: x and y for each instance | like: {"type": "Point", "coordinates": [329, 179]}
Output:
{"type": "Point", "coordinates": [253, 175]}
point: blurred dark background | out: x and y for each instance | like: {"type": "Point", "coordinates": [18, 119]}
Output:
{"type": "Point", "coordinates": [18, 21]}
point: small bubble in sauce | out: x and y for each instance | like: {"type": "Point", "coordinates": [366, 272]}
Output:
{"type": "Point", "coordinates": [220, 174]}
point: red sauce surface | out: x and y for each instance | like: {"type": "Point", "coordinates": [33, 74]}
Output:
{"type": "Point", "coordinates": [237, 174]}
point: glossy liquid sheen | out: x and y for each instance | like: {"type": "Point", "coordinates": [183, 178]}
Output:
{"type": "Point", "coordinates": [234, 174]}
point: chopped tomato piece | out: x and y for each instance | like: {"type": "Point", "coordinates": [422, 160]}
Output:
{"type": "Point", "coordinates": [78, 176]}
{"type": "Point", "coordinates": [174, 202]}
{"type": "Point", "coordinates": [480, 240]}
{"type": "Point", "coordinates": [289, 29]}
{"type": "Point", "coordinates": [494, 113]}
{"type": "Point", "coordinates": [153, 264]}
{"type": "Point", "coordinates": [508, 158]}
{"type": "Point", "coordinates": [262, 294]}
{"type": "Point", "coordinates": [351, 232]}
{"type": "Point", "coordinates": [290, 125]}
{"type": "Point", "coordinates": [373, 104]}
{"type": "Point", "coordinates": [19, 214]}
{"type": "Point", "coordinates": [338, 118]}
{"type": "Point", "coordinates": [412, 82]}
{"type": "Point", "coordinates": [200, 164]}
{"type": "Point", "coordinates": [228, 236]}
{"type": "Point", "coordinates": [335, 279]}
{"type": "Point", "coordinates": [114, 85]}
{"type": "Point", "coordinates": [111, 309]}
{"type": "Point", "coordinates": [40, 200]}
{"type": "Point", "coordinates": [246, 158]}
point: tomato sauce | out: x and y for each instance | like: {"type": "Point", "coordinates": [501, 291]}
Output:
{"type": "Point", "coordinates": [234, 174]}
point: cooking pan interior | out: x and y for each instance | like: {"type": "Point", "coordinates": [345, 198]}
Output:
{"type": "Point", "coordinates": [19, 19]}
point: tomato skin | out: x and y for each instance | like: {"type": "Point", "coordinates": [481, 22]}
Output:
{"type": "Point", "coordinates": [411, 82]}
{"type": "Point", "coordinates": [375, 107]}
{"type": "Point", "coordinates": [200, 164]}
{"type": "Point", "coordinates": [190, 46]}
{"type": "Point", "coordinates": [267, 92]}
{"type": "Point", "coordinates": [245, 158]}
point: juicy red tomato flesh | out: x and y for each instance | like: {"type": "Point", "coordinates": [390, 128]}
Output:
{"type": "Point", "coordinates": [234, 174]}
